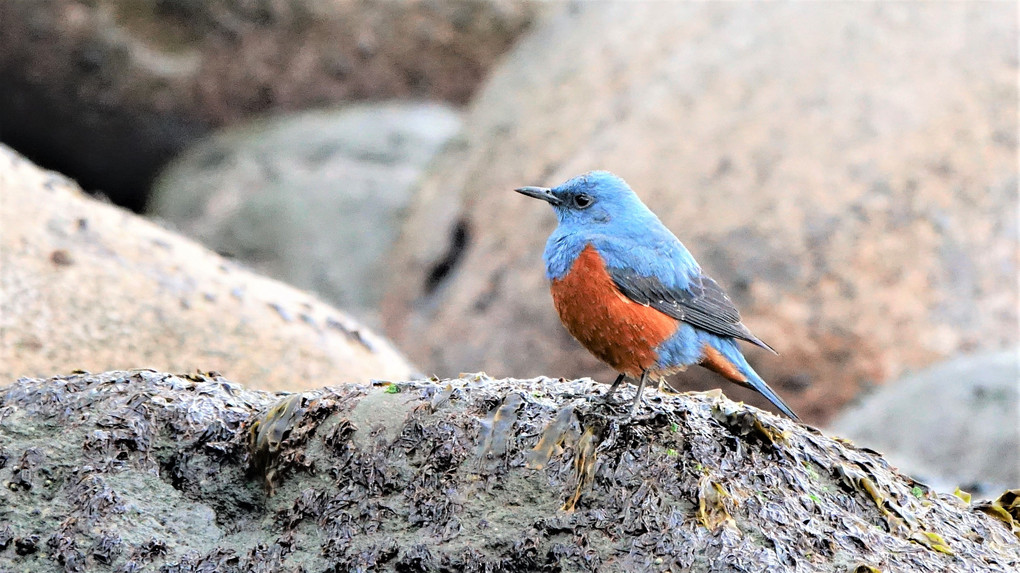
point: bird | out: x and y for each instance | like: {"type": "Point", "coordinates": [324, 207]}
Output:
{"type": "Point", "coordinates": [629, 291]}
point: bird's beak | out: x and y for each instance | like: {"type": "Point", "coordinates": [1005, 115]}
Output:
{"type": "Point", "coordinates": [543, 193]}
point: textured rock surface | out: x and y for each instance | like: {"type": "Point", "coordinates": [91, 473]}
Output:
{"type": "Point", "coordinates": [954, 424]}
{"type": "Point", "coordinates": [846, 171]}
{"type": "Point", "coordinates": [130, 470]}
{"type": "Point", "coordinates": [313, 198]}
{"type": "Point", "coordinates": [107, 91]}
{"type": "Point", "coordinates": [84, 285]}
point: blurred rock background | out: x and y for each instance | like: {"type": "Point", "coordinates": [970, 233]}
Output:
{"type": "Point", "coordinates": [107, 91]}
{"type": "Point", "coordinates": [312, 198]}
{"type": "Point", "coordinates": [88, 286]}
{"type": "Point", "coordinates": [947, 424]}
{"type": "Point", "coordinates": [847, 171]}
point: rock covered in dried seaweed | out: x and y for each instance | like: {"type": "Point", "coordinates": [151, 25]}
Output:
{"type": "Point", "coordinates": [127, 471]}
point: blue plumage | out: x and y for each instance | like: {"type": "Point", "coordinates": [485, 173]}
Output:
{"type": "Point", "coordinates": [649, 266]}
{"type": "Point", "coordinates": [625, 232]}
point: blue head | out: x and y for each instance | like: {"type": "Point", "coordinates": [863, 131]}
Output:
{"type": "Point", "coordinates": [596, 208]}
{"type": "Point", "coordinates": [597, 202]}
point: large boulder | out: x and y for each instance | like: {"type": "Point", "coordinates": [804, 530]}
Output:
{"type": "Point", "coordinates": [846, 171]}
{"type": "Point", "coordinates": [107, 91]}
{"type": "Point", "coordinates": [311, 198]}
{"type": "Point", "coordinates": [127, 471]}
{"type": "Point", "coordinates": [954, 424]}
{"type": "Point", "coordinates": [88, 286]}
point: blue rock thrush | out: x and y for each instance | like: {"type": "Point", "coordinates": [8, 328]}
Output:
{"type": "Point", "coordinates": [632, 294]}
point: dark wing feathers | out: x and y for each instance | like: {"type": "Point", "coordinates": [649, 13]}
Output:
{"type": "Point", "coordinates": [703, 303]}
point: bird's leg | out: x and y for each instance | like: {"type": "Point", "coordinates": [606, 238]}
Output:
{"type": "Point", "coordinates": [640, 389]}
{"type": "Point", "coordinates": [608, 398]}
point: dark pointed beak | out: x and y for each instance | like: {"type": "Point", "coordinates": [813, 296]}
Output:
{"type": "Point", "coordinates": [543, 193]}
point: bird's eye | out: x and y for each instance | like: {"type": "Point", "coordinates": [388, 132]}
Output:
{"type": "Point", "coordinates": [582, 201]}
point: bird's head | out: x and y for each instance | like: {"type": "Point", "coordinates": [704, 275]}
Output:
{"type": "Point", "coordinates": [592, 200]}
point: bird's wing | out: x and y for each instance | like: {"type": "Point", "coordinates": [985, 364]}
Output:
{"type": "Point", "coordinates": [702, 303]}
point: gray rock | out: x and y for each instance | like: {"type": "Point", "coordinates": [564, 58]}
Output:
{"type": "Point", "coordinates": [955, 424]}
{"type": "Point", "coordinates": [128, 471]}
{"type": "Point", "coordinates": [89, 286]}
{"type": "Point", "coordinates": [108, 91]}
{"type": "Point", "coordinates": [313, 198]}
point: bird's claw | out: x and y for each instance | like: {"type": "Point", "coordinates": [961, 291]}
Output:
{"type": "Point", "coordinates": [607, 398]}
{"type": "Point", "coordinates": [632, 412]}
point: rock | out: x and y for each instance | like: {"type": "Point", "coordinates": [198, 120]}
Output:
{"type": "Point", "coordinates": [954, 424]}
{"type": "Point", "coordinates": [89, 286]}
{"type": "Point", "coordinates": [312, 198]}
{"type": "Point", "coordinates": [847, 172]}
{"type": "Point", "coordinates": [107, 91]}
{"type": "Point", "coordinates": [145, 470]}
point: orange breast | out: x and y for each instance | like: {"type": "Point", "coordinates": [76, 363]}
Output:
{"type": "Point", "coordinates": [617, 330]}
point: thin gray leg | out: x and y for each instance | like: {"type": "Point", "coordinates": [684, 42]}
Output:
{"type": "Point", "coordinates": [640, 389]}
{"type": "Point", "coordinates": [612, 389]}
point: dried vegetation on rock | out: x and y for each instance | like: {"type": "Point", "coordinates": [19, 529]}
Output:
{"type": "Point", "coordinates": [128, 470]}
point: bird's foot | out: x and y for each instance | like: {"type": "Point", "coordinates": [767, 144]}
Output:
{"type": "Point", "coordinates": [608, 399]}
{"type": "Point", "coordinates": [634, 407]}
{"type": "Point", "coordinates": [613, 407]}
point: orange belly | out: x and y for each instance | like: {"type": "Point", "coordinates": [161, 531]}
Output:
{"type": "Point", "coordinates": [617, 330]}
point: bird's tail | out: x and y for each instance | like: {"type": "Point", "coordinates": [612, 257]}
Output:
{"type": "Point", "coordinates": [752, 381]}
{"type": "Point", "coordinates": [755, 383]}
